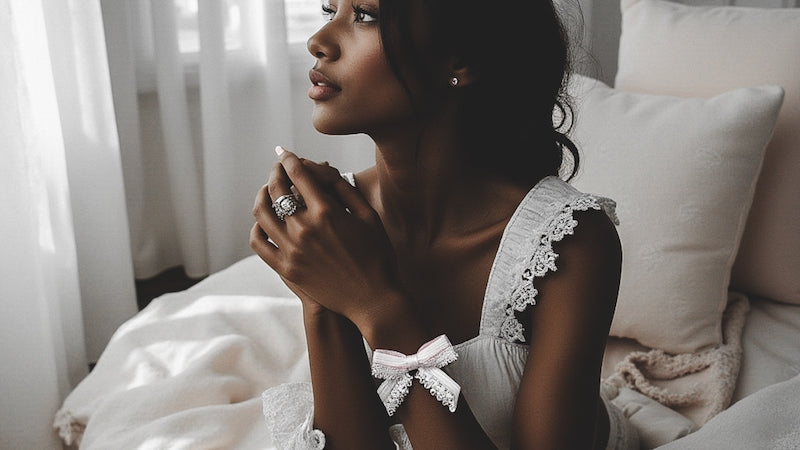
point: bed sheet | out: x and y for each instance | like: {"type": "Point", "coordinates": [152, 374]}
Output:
{"type": "Point", "coordinates": [771, 346]}
{"type": "Point", "coordinates": [188, 370]}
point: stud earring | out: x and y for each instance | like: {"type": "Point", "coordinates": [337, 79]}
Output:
{"type": "Point", "coordinates": [454, 81]}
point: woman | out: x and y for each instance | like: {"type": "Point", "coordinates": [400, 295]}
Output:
{"type": "Point", "coordinates": [451, 238]}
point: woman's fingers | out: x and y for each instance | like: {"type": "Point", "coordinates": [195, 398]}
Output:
{"type": "Point", "coordinates": [300, 176]}
{"type": "Point", "coordinates": [268, 231]}
{"type": "Point", "coordinates": [354, 201]}
{"type": "Point", "coordinates": [279, 183]}
{"type": "Point", "coordinates": [264, 248]}
{"type": "Point", "coordinates": [348, 195]}
{"type": "Point", "coordinates": [323, 172]}
{"type": "Point", "coordinates": [262, 208]}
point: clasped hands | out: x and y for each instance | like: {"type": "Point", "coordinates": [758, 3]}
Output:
{"type": "Point", "coordinates": [333, 252]}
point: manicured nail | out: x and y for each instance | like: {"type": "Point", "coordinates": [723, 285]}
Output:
{"type": "Point", "coordinates": [279, 150]}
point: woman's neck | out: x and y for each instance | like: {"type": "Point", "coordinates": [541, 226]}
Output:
{"type": "Point", "coordinates": [425, 194]}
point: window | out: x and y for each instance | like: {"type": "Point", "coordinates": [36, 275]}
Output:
{"type": "Point", "coordinates": [303, 18]}
{"type": "Point", "coordinates": [188, 35]}
{"type": "Point", "coordinates": [242, 25]}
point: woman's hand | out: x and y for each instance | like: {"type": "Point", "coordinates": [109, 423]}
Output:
{"type": "Point", "coordinates": [333, 252]}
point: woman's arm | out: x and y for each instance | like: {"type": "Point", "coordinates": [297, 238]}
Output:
{"type": "Point", "coordinates": [342, 267]}
{"type": "Point", "coordinates": [558, 406]}
{"type": "Point", "coordinates": [346, 407]}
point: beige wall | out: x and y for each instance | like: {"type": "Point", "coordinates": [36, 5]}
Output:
{"type": "Point", "coordinates": [602, 29]}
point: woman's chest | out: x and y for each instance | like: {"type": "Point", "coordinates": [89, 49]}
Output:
{"type": "Point", "coordinates": [448, 287]}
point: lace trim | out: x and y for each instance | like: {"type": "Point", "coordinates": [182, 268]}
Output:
{"type": "Point", "coordinates": [443, 393]}
{"type": "Point", "coordinates": [70, 429]}
{"type": "Point", "coordinates": [289, 413]}
{"type": "Point", "coordinates": [398, 393]}
{"type": "Point", "coordinates": [396, 369]}
{"type": "Point", "coordinates": [400, 438]}
{"type": "Point", "coordinates": [543, 260]}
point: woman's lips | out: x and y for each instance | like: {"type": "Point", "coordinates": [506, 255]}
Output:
{"type": "Point", "coordinates": [322, 88]}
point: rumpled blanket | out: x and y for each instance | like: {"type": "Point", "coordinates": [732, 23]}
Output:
{"type": "Point", "coordinates": [767, 419]}
{"type": "Point", "coordinates": [188, 371]}
{"type": "Point", "coordinates": [699, 385]}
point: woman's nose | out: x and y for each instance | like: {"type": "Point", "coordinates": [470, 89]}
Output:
{"type": "Point", "coordinates": [322, 44]}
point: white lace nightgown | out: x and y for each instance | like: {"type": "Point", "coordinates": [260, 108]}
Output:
{"type": "Point", "coordinates": [489, 366]}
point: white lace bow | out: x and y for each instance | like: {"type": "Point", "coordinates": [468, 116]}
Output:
{"type": "Point", "coordinates": [395, 367]}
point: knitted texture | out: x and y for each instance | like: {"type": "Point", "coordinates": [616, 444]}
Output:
{"type": "Point", "coordinates": [639, 369]}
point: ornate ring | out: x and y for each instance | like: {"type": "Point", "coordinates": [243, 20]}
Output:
{"type": "Point", "coordinates": [286, 205]}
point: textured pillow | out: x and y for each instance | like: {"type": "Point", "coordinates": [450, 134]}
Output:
{"type": "Point", "coordinates": [683, 172]}
{"type": "Point", "coordinates": [691, 51]}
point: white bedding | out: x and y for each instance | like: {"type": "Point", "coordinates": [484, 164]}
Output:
{"type": "Point", "coordinates": [768, 419]}
{"type": "Point", "coordinates": [188, 372]}
{"type": "Point", "coordinates": [771, 346]}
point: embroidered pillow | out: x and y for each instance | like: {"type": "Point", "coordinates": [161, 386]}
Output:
{"type": "Point", "coordinates": [683, 172]}
{"type": "Point", "coordinates": [690, 51]}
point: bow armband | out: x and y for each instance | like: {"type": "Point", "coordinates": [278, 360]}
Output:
{"type": "Point", "coordinates": [395, 368]}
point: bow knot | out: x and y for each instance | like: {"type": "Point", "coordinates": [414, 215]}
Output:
{"type": "Point", "coordinates": [394, 368]}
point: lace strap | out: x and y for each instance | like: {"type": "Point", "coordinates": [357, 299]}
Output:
{"type": "Point", "coordinates": [544, 217]}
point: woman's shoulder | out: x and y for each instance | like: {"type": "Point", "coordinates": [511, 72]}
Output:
{"type": "Point", "coordinates": [555, 229]}
{"type": "Point", "coordinates": [583, 239]}
{"type": "Point", "coordinates": [589, 219]}
{"type": "Point", "coordinates": [553, 189]}
{"type": "Point", "coordinates": [551, 208]}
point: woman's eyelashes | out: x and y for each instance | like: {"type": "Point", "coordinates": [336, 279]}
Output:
{"type": "Point", "coordinates": [361, 14]}
{"type": "Point", "coordinates": [365, 14]}
{"type": "Point", "coordinates": [327, 11]}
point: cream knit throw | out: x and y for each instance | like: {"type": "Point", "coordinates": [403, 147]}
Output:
{"type": "Point", "coordinates": [639, 369]}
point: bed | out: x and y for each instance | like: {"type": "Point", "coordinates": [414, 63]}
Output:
{"type": "Point", "coordinates": [698, 141]}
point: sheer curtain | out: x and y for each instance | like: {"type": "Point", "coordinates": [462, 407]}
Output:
{"type": "Point", "coordinates": [65, 270]}
{"type": "Point", "coordinates": [135, 134]}
{"type": "Point", "coordinates": [203, 91]}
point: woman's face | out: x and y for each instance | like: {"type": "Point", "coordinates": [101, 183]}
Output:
{"type": "Point", "coordinates": [353, 88]}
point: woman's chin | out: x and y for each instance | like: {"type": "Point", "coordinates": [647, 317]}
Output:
{"type": "Point", "coordinates": [326, 126]}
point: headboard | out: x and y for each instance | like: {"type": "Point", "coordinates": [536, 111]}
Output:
{"type": "Point", "coordinates": [601, 23]}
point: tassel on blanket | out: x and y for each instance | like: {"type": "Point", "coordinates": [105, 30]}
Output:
{"type": "Point", "coordinates": [640, 368]}
{"type": "Point", "coordinates": [70, 430]}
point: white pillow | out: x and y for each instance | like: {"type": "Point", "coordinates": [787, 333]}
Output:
{"type": "Point", "coordinates": [683, 172]}
{"type": "Point", "coordinates": [691, 51]}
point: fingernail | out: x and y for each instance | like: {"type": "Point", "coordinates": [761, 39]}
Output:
{"type": "Point", "coordinates": [279, 150]}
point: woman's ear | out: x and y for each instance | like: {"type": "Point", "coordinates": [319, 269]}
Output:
{"type": "Point", "coordinates": [459, 73]}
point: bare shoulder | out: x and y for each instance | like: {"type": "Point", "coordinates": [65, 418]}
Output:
{"type": "Point", "coordinates": [367, 182]}
{"type": "Point", "coordinates": [367, 177]}
{"type": "Point", "coordinates": [594, 242]}
{"type": "Point", "coordinates": [579, 298]}
{"type": "Point", "coordinates": [569, 327]}
{"type": "Point", "coordinates": [589, 264]}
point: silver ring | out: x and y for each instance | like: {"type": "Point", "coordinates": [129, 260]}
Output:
{"type": "Point", "coordinates": [286, 205]}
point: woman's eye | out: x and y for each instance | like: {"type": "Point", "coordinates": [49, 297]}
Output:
{"type": "Point", "coordinates": [362, 15]}
{"type": "Point", "coordinates": [328, 12]}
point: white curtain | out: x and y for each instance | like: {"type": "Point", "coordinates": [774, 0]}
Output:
{"type": "Point", "coordinates": [204, 90]}
{"type": "Point", "coordinates": [134, 135]}
{"type": "Point", "coordinates": [65, 270]}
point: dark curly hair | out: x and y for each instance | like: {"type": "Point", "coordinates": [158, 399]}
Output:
{"type": "Point", "coordinates": [519, 50]}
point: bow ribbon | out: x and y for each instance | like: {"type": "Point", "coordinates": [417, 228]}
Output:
{"type": "Point", "coordinates": [395, 367]}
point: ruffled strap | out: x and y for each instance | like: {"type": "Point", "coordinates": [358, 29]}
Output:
{"type": "Point", "coordinates": [544, 217]}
